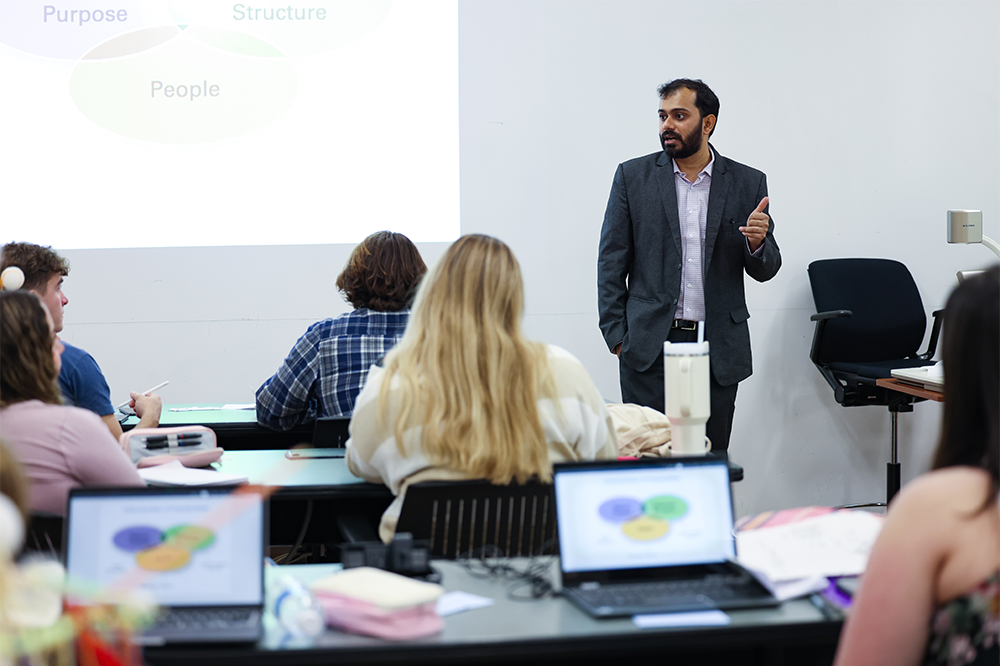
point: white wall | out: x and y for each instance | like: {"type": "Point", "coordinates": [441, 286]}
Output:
{"type": "Point", "coordinates": [871, 119]}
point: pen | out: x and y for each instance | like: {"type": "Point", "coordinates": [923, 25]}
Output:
{"type": "Point", "coordinates": [183, 435]}
{"type": "Point", "coordinates": [155, 388]}
{"type": "Point", "coordinates": [829, 611]}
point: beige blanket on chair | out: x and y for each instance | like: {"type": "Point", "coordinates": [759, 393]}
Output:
{"type": "Point", "coordinates": [641, 431]}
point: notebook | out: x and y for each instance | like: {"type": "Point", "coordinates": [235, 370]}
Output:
{"type": "Point", "coordinates": [198, 551]}
{"type": "Point", "coordinates": [650, 536]}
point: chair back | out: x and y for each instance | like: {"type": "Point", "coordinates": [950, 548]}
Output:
{"type": "Point", "coordinates": [331, 432]}
{"type": "Point", "coordinates": [459, 517]}
{"type": "Point", "coordinates": [44, 534]}
{"type": "Point", "coordinates": [888, 319]}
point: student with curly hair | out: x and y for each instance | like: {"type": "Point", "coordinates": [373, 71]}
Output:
{"type": "Point", "coordinates": [465, 396]}
{"type": "Point", "coordinates": [328, 365]}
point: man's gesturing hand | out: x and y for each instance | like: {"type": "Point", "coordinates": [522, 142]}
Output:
{"type": "Point", "coordinates": [757, 224]}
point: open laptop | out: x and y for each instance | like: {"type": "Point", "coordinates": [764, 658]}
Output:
{"type": "Point", "coordinates": [198, 551]}
{"type": "Point", "coordinates": [650, 536]}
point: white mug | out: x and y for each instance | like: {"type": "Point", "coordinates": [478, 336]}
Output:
{"type": "Point", "coordinates": [688, 401]}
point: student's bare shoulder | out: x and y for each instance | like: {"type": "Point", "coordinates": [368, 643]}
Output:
{"type": "Point", "coordinates": [944, 491]}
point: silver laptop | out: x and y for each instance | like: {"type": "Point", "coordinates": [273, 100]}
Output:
{"type": "Point", "coordinates": [650, 536]}
{"type": "Point", "coordinates": [198, 551]}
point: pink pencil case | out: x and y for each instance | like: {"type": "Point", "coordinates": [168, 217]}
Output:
{"type": "Point", "coordinates": [193, 446]}
{"type": "Point", "coordinates": [361, 617]}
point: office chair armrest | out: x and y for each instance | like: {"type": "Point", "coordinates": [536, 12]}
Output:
{"type": "Point", "coordinates": [935, 332]}
{"type": "Point", "coordinates": [821, 318]}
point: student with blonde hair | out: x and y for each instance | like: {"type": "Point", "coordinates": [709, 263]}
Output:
{"type": "Point", "coordinates": [465, 396]}
{"type": "Point", "coordinates": [931, 591]}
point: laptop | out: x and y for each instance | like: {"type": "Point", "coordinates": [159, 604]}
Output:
{"type": "Point", "coordinates": [650, 536]}
{"type": "Point", "coordinates": [930, 377]}
{"type": "Point", "coordinates": [198, 551]}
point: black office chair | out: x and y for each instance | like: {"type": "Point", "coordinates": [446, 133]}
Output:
{"type": "Point", "coordinates": [44, 534]}
{"type": "Point", "coordinates": [331, 432]}
{"type": "Point", "coordinates": [463, 517]}
{"type": "Point", "coordinates": [869, 321]}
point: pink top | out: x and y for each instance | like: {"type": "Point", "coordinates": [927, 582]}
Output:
{"type": "Point", "coordinates": [63, 447]}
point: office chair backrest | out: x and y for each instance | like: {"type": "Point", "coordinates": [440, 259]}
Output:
{"type": "Point", "coordinates": [459, 517]}
{"type": "Point", "coordinates": [331, 432]}
{"type": "Point", "coordinates": [44, 534]}
{"type": "Point", "coordinates": [888, 320]}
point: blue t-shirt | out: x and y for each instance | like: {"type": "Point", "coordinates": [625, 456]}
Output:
{"type": "Point", "coordinates": [82, 382]}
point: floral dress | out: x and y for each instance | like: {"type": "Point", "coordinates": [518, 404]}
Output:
{"type": "Point", "coordinates": [966, 630]}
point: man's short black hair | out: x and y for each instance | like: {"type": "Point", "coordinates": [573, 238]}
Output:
{"type": "Point", "coordinates": [705, 99]}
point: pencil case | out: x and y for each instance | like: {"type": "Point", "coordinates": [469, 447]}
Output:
{"type": "Point", "coordinates": [193, 446]}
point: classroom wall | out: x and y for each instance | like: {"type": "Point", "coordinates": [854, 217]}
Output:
{"type": "Point", "coordinates": [871, 120]}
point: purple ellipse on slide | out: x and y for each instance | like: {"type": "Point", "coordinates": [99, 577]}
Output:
{"type": "Point", "coordinates": [621, 509]}
{"type": "Point", "coordinates": [140, 537]}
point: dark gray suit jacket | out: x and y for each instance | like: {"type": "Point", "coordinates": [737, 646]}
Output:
{"type": "Point", "coordinates": [639, 267]}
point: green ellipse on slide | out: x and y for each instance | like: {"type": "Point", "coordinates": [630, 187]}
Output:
{"type": "Point", "coordinates": [201, 86]}
{"type": "Point", "coordinates": [665, 507]}
{"type": "Point", "coordinates": [297, 28]}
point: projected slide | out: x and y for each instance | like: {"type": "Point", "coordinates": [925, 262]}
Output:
{"type": "Point", "coordinates": [198, 122]}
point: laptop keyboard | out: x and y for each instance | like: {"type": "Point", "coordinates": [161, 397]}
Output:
{"type": "Point", "coordinates": [659, 593]}
{"type": "Point", "coordinates": [205, 618]}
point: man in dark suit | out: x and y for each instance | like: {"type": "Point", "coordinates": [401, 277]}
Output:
{"type": "Point", "coordinates": [681, 227]}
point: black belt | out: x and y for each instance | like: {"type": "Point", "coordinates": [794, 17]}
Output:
{"type": "Point", "coordinates": [685, 325]}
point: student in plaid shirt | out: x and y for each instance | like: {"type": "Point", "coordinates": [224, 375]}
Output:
{"type": "Point", "coordinates": [327, 367]}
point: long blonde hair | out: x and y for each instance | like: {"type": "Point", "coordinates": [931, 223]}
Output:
{"type": "Point", "coordinates": [467, 376]}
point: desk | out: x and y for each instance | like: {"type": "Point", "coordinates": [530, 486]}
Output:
{"type": "Point", "coordinates": [909, 389]}
{"type": "Point", "coordinates": [544, 631]}
{"type": "Point", "coordinates": [326, 483]}
{"type": "Point", "coordinates": [235, 429]}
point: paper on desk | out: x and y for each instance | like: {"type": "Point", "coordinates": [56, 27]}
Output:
{"type": "Point", "coordinates": [240, 405]}
{"type": "Point", "coordinates": [450, 603]}
{"type": "Point", "coordinates": [176, 474]}
{"type": "Point", "coordinates": [711, 618]}
{"type": "Point", "coordinates": [836, 544]}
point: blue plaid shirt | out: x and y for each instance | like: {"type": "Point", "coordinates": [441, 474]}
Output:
{"type": "Point", "coordinates": [327, 367]}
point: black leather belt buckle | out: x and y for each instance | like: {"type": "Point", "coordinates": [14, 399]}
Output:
{"type": "Point", "coordinates": [685, 325]}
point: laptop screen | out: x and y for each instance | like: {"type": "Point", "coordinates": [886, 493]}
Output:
{"type": "Point", "coordinates": [187, 546]}
{"type": "Point", "coordinates": [622, 515]}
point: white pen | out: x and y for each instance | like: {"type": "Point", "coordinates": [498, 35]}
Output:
{"type": "Point", "coordinates": [155, 388]}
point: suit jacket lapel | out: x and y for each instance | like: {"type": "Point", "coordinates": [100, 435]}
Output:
{"type": "Point", "coordinates": [668, 196]}
{"type": "Point", "coordinates": [716, 204]}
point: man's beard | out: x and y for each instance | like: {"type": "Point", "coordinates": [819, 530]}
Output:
{"type": "Point", "coordinates": [687, 146]}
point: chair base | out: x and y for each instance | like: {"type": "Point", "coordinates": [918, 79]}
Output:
{"type": "Point", "coordinates": [891, 480]}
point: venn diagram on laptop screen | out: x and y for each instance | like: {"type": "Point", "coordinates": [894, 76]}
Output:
{"type": "Point", "coordinates": [185, 71]}
{"type": "Point", "coordinates": [644, 520]}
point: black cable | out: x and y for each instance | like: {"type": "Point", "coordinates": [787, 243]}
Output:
{"type": "Point", "coordinates": [492, 563]}
{"type": "Point", "coordinates": [302, 534]}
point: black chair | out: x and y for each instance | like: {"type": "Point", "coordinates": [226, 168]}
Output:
{"type": "Point", "coordinates": [44, 534]}
{"type": "Point", "coordinates": [463, 517]}
{"type": "Point", "coordinates": [331, 432]}
{"type": "Point", "coordinates": [869, 321]}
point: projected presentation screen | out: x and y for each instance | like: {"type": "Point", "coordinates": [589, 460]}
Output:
{"type": "Point", "coordinates": [142, 123]}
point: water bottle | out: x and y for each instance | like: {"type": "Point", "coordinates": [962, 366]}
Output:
{"type": "Point", "coordinates": [297, 610]}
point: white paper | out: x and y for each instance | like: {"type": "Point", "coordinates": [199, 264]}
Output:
{"type": "Point", "coordinates": [834, 544]}
{"type": "Point", "coordinates": [458, 602]}
{"type": "Point", "coordinates": [240, 405]}
{"type": "Point", "coordinates": [710, 618]}
{"type": "Point", "coordinates": [175, 474]}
